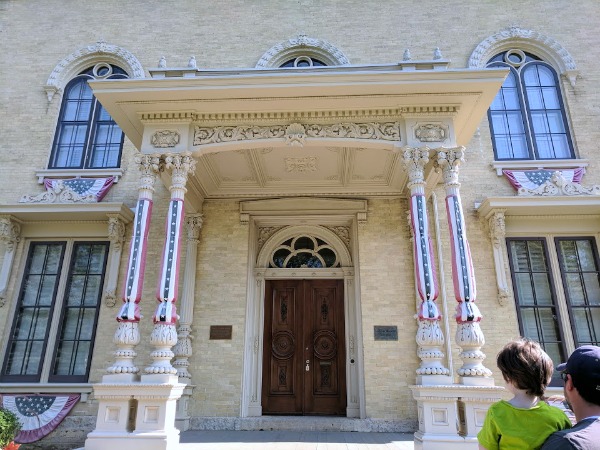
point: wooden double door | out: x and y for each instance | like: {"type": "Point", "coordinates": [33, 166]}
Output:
{"type": "Point", "coordinates": [304, 367]}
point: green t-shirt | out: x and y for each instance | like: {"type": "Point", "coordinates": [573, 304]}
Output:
{"type": "Point", "coordinates": [507, 427]}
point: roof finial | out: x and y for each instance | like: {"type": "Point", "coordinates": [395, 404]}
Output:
{"type": "Point", "coordinates": [162, 63]}
{"type": "Point", "coordinates": [437, 54]}
{"type": "Point", "coordinates": [406, 56]}
{"type": "Point", "coordinates": [192, 62]}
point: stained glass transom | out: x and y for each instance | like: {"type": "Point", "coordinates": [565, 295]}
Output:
{"type": "Point", "coordinates": [304, 252]}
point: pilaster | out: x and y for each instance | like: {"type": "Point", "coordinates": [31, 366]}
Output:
{"type": "Point", "coordinates": [10, 231]}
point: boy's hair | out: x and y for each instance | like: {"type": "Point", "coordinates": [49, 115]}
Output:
{"type": "Point", "coordinates": [526, 365]}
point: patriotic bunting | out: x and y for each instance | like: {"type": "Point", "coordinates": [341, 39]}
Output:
{"type": "Point", "coordinates": [39, 414]}
{"type": "Point", "coordinates": [532, 179]}
{"type": "Point", "coordinates": [167, 285]}
{"type": "Point", "coordinates": [130, 311]}
{"type": "Point", "coordinates": [462, 265]}
{"type": "Point", "coordinates": [423, 253]}
{"type": "Point", "coordinates": [84, 187]}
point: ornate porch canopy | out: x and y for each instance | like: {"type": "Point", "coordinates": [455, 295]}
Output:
{"type": "Point", "coordinates": [321, 131]}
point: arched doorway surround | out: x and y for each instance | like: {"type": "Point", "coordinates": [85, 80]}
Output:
{"type": "Point", "coordinates": [269, 227]}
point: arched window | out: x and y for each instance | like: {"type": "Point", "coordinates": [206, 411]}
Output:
{"type": "Point", "coordinates": [304, 251]}
{"type": "Point", "coordinates": [527, 117]}
{"type": "Point", "coordinates": [303, 61]}
{"type": "Point", "coordinates": [86, 136]}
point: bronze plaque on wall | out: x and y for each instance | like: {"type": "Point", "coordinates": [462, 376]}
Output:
{"type": "Point", "coordinates": [386, 333]}
{"type": "Point", "coordinates": [220, 331]}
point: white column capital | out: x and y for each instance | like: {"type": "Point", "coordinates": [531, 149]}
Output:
{"type": "Point", "coordinates": [150, 166]}
{"type": "Point", "coordinates": [193, 225]}
{"type": "Point", "coordinates": [415, 159]}
{"type": "Point", "coordinates": [181, 165]}
{"type": "Point", "coordinates": [449, 160]}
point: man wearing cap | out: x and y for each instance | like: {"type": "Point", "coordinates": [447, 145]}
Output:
{"type": "Point", "coordinates": [581, 374]}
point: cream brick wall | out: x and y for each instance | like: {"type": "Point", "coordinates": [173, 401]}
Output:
{"type": "Point", "coordinates": [36, 36]}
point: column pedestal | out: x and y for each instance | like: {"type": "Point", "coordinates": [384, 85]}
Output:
{"type": "Point", "coordinates": [136, 415]}
{"type": "Point", "coordinates": [451, 416]}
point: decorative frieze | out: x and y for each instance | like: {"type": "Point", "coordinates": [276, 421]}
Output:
{"type": "Point", "coordinates": [296, 133]}
{"type": "Point", "coordinates": [165, 139]}
{"type": "Point", "coordinates": [59, 192]}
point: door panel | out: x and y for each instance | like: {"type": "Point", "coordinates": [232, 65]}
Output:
{"type": "Point", "coordinates": [304, 370]}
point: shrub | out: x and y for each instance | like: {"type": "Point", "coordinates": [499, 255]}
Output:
{"type": "Point", "coordinates": [9, 427]}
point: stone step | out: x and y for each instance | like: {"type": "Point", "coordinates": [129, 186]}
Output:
{"type": "Point", "coordinates": [301, 423]}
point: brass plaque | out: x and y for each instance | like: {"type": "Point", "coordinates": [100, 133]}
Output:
{"type": "Point", "coordinates": [386, 333]}
{"type": "Point", "coordinates": [221, 331]}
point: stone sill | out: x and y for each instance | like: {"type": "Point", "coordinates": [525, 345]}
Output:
{"type": "Point", "coordinates": [531, 164]}
{"type": "Point", "coordinates": [85, 389]}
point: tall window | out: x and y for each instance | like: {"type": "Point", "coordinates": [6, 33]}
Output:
{"type": "Point", "coordinates": [86, 136]}
{"type": "Point", "coordinates": [55, 323]}
{"type": "Point", "coordinates": [527, 117]}
{"type": "Point", "coordinates": [539, 296]}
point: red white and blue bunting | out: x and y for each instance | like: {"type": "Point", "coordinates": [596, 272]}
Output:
{"type": "Point", "coordinates": [533, 179]}
{"type": "Point", "coordinates": [98, 187]}
{"type": "Point", "coordinates": [423, 253]}
{"type": "Point", "coordinates": [462, 265]}
{"type": "Point", "coordinates": [130, 311]}
{"type": "Point", "coordinates": [39, 414]}
{"type": "Point", "coordinates": [166, 292]}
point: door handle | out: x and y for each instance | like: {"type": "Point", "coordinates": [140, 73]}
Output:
{"type": "Point", "coordinates": [307, 365]}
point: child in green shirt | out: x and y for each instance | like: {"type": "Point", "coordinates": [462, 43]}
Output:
{"type": "Point", "coordinates": [525, 421]}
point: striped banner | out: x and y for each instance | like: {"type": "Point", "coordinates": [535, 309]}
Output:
{"type": "Point", "coordinates": [462, 264]}
{"type": "Point", "coordinates": [423, 253]}
{"type": "Point", "coordinates": [130, 311]}
{"type": "Point", "coordinates": [166, 292]}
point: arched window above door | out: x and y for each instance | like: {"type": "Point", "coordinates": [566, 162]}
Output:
{"type": "Point", "coordinates": [304, 251]}
{"type": "Point", "coordinates": [302, 51]}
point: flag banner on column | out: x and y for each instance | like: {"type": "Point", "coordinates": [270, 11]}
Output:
{"type": "Point", "coordinates": [166, 292]}
{"type": "Point", "coordinates": [462, 264]}
{"type": "Point", "coordinates": [137, 261]}
{"type": "Point", "coordinates": [98, 187]}
{"type": "Point", "coordinates": [39, 414]}
{"type": "Point", "coordinates": [423, 253]}
{"type": "Point", "coordinates": [533, 179]}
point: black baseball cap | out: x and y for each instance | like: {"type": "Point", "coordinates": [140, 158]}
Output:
{"type": "Point", "coordinates": [584, 366]}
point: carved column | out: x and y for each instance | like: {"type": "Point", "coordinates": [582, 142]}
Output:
{"type": "Point", "coordinates": [497, 227]}
{"type": "Point", "coordinates": [469, 336]}
{"type": "Point", "coordinates": [430, 337]}
{"type": "Point", "coordinates": [116, 236]}
{"type": "Point", "coordinates": [10, 232]}
{"type": "Point", "coordinates": [183, 348]}
{"type": "Point", "coordinates": [127, 335]}
{"type": "Point", "coordinates": [164, 334]}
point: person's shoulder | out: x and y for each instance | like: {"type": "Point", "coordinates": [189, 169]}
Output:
{"type": "Point", "coordinates": [558, 441]}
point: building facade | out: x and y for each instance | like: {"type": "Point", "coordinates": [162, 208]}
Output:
{"type": "Point", "coordinates": [326, 209]}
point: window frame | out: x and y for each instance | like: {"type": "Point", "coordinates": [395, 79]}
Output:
{"type": "Point", "coordinates": [57, 313]}
{"type": "Point", "coordinates": [561, 302]}
{"type": "Point", "coordinates": [94, 118]}
{"type": "Point", "coordinates": [524, 104]}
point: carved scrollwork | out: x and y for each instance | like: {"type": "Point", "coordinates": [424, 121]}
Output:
{"type": "Point", "coordinates": [165, 139]}
{"type": "Point", "coordinates": [431, 132]}
{"type": "Point", "coordinates": [559, 185]}
{"type": "Point", "coordinates": [296, 133]}
{"type": "Point", "coordinates": [284, 345]}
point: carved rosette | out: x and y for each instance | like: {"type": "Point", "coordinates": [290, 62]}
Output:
{"type": "Point", "coordinates": [126, 338]}
{"type": "Point", "coordinates": [163, 338]}
{"type": "Point", "coordinates": [149, 166]}
{"type": "Point", "coordinates": [469, 338]}
{"type": "Point", "coordinates": [10, 232]}
{"type": "Point", "coordinates": [429, 339]}
{"type": "Point", "coordinates": [183, 351]}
